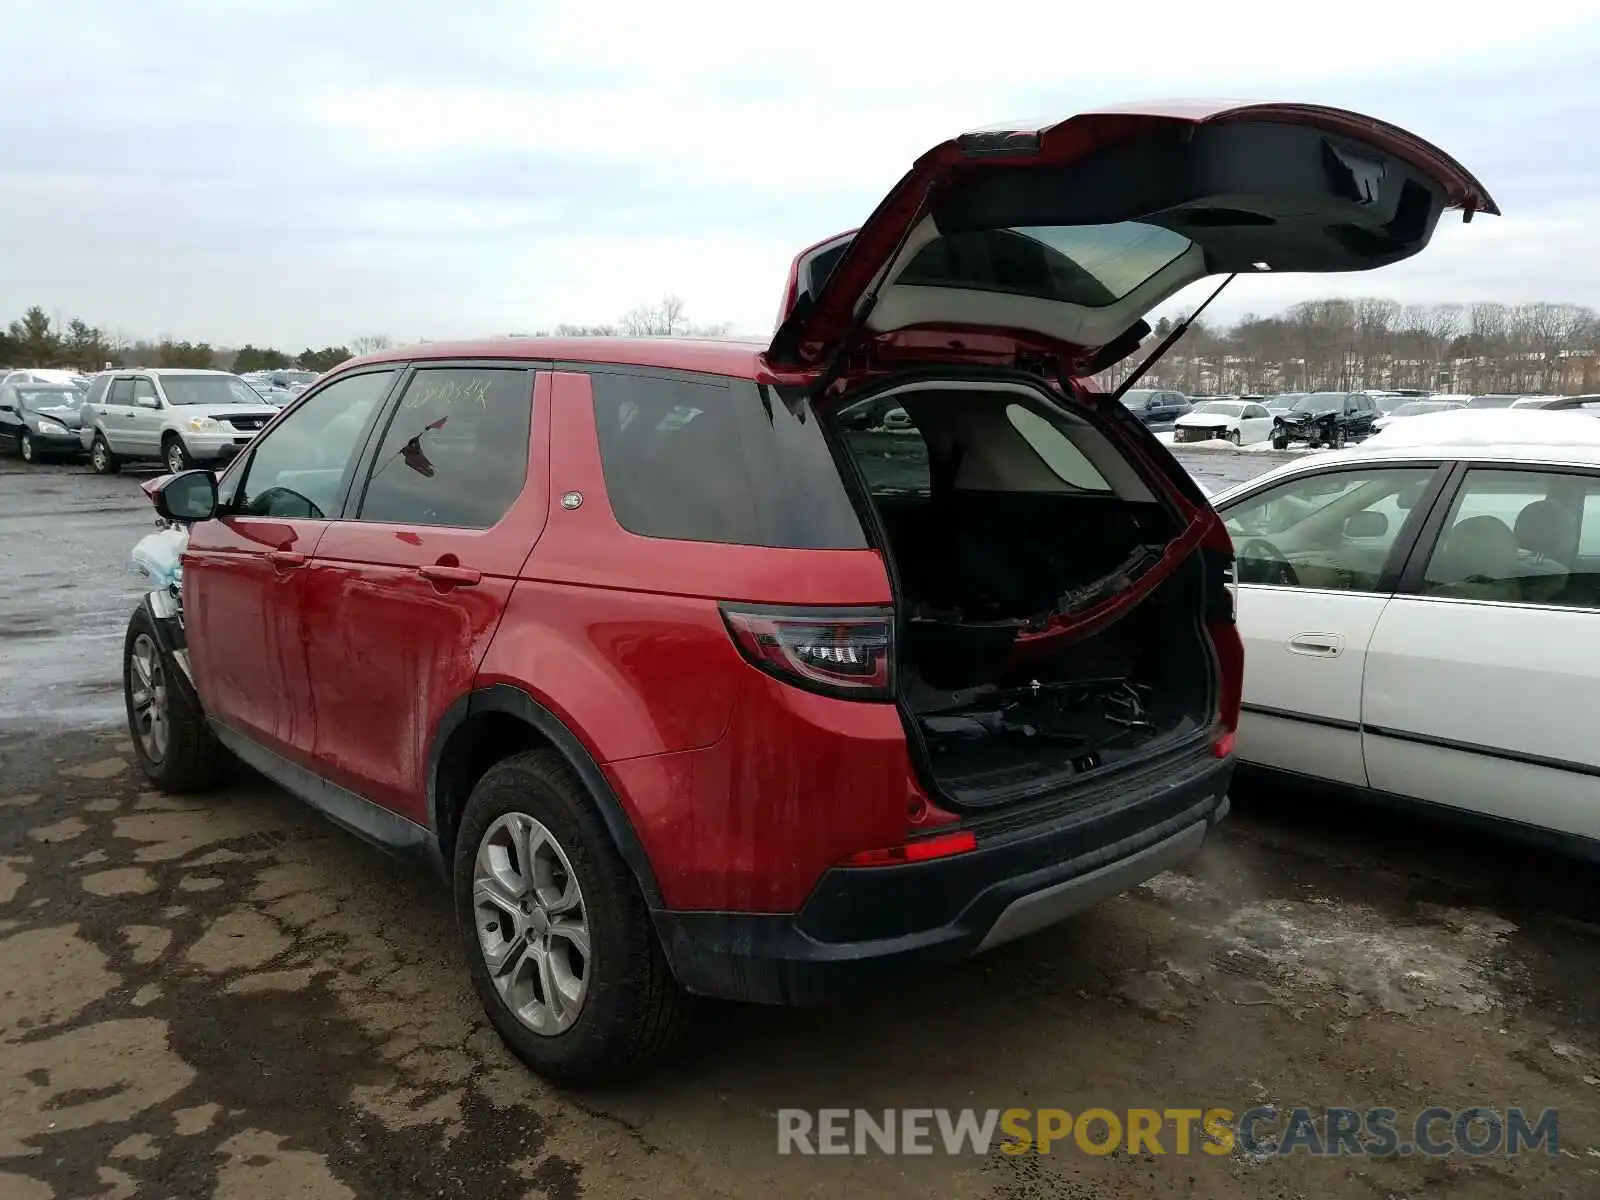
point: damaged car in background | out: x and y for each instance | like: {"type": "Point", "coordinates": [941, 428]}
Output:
{"type": "Point", "coordinates": [650, 648]}
{"type": "Point", "coordinates": [1326, 419]}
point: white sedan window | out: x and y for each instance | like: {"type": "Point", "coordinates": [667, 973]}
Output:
{"type": "Point", "coordinates": [1334, 529]}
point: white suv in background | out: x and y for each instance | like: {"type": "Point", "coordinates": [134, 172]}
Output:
{"type": "Point", "coordinates": [178, 416]}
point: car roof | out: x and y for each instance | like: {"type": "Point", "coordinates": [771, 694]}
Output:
{"type": "Point", "coordinates": [740, 359]}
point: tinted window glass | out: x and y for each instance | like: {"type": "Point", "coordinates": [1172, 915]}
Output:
{"type": "Point", "coordinates": [121, 392]}
{"type": "Point", "coordinates": [144, 393]}
{"type": "Point", "coordinates": [97, 389]}
{"type": "Point", "coordinates": [456, 450]}
{"type": "Point", "coordinates": [1330, 530]}
{"type": "Point", "coordinates": [894, 462]}
{"type": "Point", "coordinates": [1089, 265]}
{"type": "Point", "coordinates": [299, 468]}
{"type": "Point", "coordinates": [1518, 537]}
{"type": "Point", "coordinates": [1064, 459]}
{"type": "Point", "coordinates": [718, 460]}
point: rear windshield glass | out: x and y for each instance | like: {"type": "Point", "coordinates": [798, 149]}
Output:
{"type": "Point", "coordinates": [1088, 265]}
{"type": "Point", "coordinates": [719, 460]}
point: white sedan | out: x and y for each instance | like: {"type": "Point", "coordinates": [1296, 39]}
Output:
{"type": "Point", "coordinates": [1238, 421]}
{"type": "Point", "coordinates": [1421, 617]}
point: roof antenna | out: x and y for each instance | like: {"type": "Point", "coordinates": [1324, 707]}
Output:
{"type": "Point", "coordinates": [1178, 331]}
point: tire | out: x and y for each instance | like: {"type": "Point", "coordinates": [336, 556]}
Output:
{"type": "Point", "coordinates": [26, 448]}
{"type": "Point", "coordinates": [185, 756]}
{"type": "Point", "coordinates": [1279, 443]}
{"type": "Point", "coordinates": [100, 457]}
{"type": "Point", "coordinates": [1235, 436]}
{"type": "Point", "coordinates": [175, 456]}
{"type": "Point", "coordinates": [630, 1012]}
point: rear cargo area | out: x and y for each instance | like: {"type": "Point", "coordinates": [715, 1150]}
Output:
{"type": "Point", "coordinates": [1000, 513]}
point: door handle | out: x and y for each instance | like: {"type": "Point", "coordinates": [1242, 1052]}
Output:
{"type": "Point", "coordinates": [450, 576]}
{"type": "Point", "coordinates": [1325, 645]}
{"type": "Point", "coordinates": [286, 560]}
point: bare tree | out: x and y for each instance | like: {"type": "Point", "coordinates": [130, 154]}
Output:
{"type": "Point", "coordinates": [371, 343]}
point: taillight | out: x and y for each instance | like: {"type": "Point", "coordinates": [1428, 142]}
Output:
{"type": "Point", "coordinates": [843, 652]}
{"type": "Point", "coordinates": [1229, 650]}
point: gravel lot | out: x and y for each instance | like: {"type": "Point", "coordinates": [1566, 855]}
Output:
{"type": "Point", "coordinates": [228, 997]}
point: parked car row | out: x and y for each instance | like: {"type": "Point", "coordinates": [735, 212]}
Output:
{"type": "Point", "coordinates": [178, 417]}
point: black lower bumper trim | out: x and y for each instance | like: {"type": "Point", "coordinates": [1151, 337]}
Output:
{"type": "Point", "coordinates": [938, 911]}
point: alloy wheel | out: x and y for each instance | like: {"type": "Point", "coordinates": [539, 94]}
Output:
{"type": "Point", "coordinates": [532, 923]}
{"type": "Point", "coordinates": [147, 693]}
{"type": "Point", "coordinates": [27, 447]}
{"type": "Point", "coordinates": [101, 455]}
{"type": "Point", "coordinates": [176, 459]}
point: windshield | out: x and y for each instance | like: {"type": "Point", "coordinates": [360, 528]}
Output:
{"type": "Point", "coordinates": [1137, 398]}
{"type": "Point", "coordinates": [1418, 407]}
{"type": "Point", "coordinates": [35, 398]}
{"type": "Point", "coordinates": [209, 389]}
{"type": "Point", "coordinates": [1284, 401]}
{"type": "Point", "coordinates": [1493, 401]}
{"type": "Point", "coordinates": [1227, 408]}
{"type": "Point", "coordinates": [306, 377]}
{"type": "Point", "coordinates": [1318, 402]}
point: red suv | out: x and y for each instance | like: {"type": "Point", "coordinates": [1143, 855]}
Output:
{"type": "Point", "coordinates": [694, 685]}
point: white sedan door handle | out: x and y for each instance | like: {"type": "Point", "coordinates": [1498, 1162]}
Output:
{"type": "Point", "coordinates": [1325, 645]}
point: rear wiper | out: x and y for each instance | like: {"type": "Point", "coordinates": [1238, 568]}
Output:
{"type": "Point", "coordinates": [1167, 342]}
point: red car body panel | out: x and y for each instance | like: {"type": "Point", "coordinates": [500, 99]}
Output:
{"type": "Point", "coordinates": [245, 585]}
{"type": "Point", "coordinates": [391, 649]}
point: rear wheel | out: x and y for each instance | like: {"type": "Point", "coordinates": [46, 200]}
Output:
{"type": "Point", "coordinates": [559, 943]}
{"type": "Point", "coordinates": [101, 458]}
{"type": "Point", "coordinates": [30, 452]}
{"type": "Point", "coordinates": [171, 740]}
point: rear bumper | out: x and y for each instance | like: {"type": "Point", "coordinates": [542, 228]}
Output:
{"type": "Point", "coordinates": [863, 927]}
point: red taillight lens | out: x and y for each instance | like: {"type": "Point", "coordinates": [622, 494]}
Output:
{"type": "Point", "coordinates": [836, 651]}
{"type": "Point", "coordinates": [920, 850]}
{"type": "Point", "coordinates": [1230, 663]}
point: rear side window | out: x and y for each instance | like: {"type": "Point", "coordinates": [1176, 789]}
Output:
{"type": "Point", "coordinates": [456, 450]}
{"type": "Point", "coordinates": [707, 459]}
{"type": "Point", "coordinates": [97, 389]}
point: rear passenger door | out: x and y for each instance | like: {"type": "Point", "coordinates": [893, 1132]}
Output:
{"type": "Point", "coordinates": [408, 587]}
{"type": "Point", "coordinates": [116, 415]}
{"type": "Point", "coordinates": [1483, 676]}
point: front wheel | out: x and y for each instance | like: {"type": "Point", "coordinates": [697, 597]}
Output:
{"type": "Point", "coordinates": [174, 746]}
{"type": "Point", "coordinates": [1235, 436]}
{"type": "Point", "coordinates": [177, 458]}
{"type": "Point", "coordinates": [30, 452]}
{"type": "Point", "coordinates": [559, 943]}
{"type": "Point", "coordinates": [101, 459]}
{"type": "Point", "coordinates": [1279, 442]}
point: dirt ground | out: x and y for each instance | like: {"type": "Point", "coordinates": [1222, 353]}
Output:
{"type": "Point", "coordinates": [229, 997]}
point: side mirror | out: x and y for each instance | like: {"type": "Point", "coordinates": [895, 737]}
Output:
{"type": "Point", "coordinates": [1367, 524]}
{"type": "Point", "coordinates": [185, 497]}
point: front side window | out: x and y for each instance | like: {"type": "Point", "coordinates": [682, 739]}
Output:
{"type": "Point", "coordinates": [456, 450]}
{"type": "Point", "coordinates": [1331, 530]}
{"type": "Point", "coordinates": [299, 468]}
{"type": "Point", "coordinates": [1520, 537]}
{"type": "Point", "coordinates": [144, 394]}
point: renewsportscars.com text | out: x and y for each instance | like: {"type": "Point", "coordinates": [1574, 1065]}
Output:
{"type": "Point", "coordinates": [1254, 1132]}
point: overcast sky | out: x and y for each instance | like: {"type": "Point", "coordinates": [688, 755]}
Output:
{"type": "Point", "coordinates": [294, 172]}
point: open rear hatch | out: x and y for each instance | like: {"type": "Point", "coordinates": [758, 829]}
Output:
{"type": "Point", "coordinates": [1059, 579]}
{"type": "Point", "coordinates": [1069, 233]}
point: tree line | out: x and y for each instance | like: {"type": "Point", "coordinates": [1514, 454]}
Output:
{"type": "Point", "coordinates": [1339, 345]}
{"type": "Point", "coordinates": [36, 339]}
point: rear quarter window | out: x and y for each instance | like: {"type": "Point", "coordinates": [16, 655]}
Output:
{"type": "Point", "coordinates": [707, 459]}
